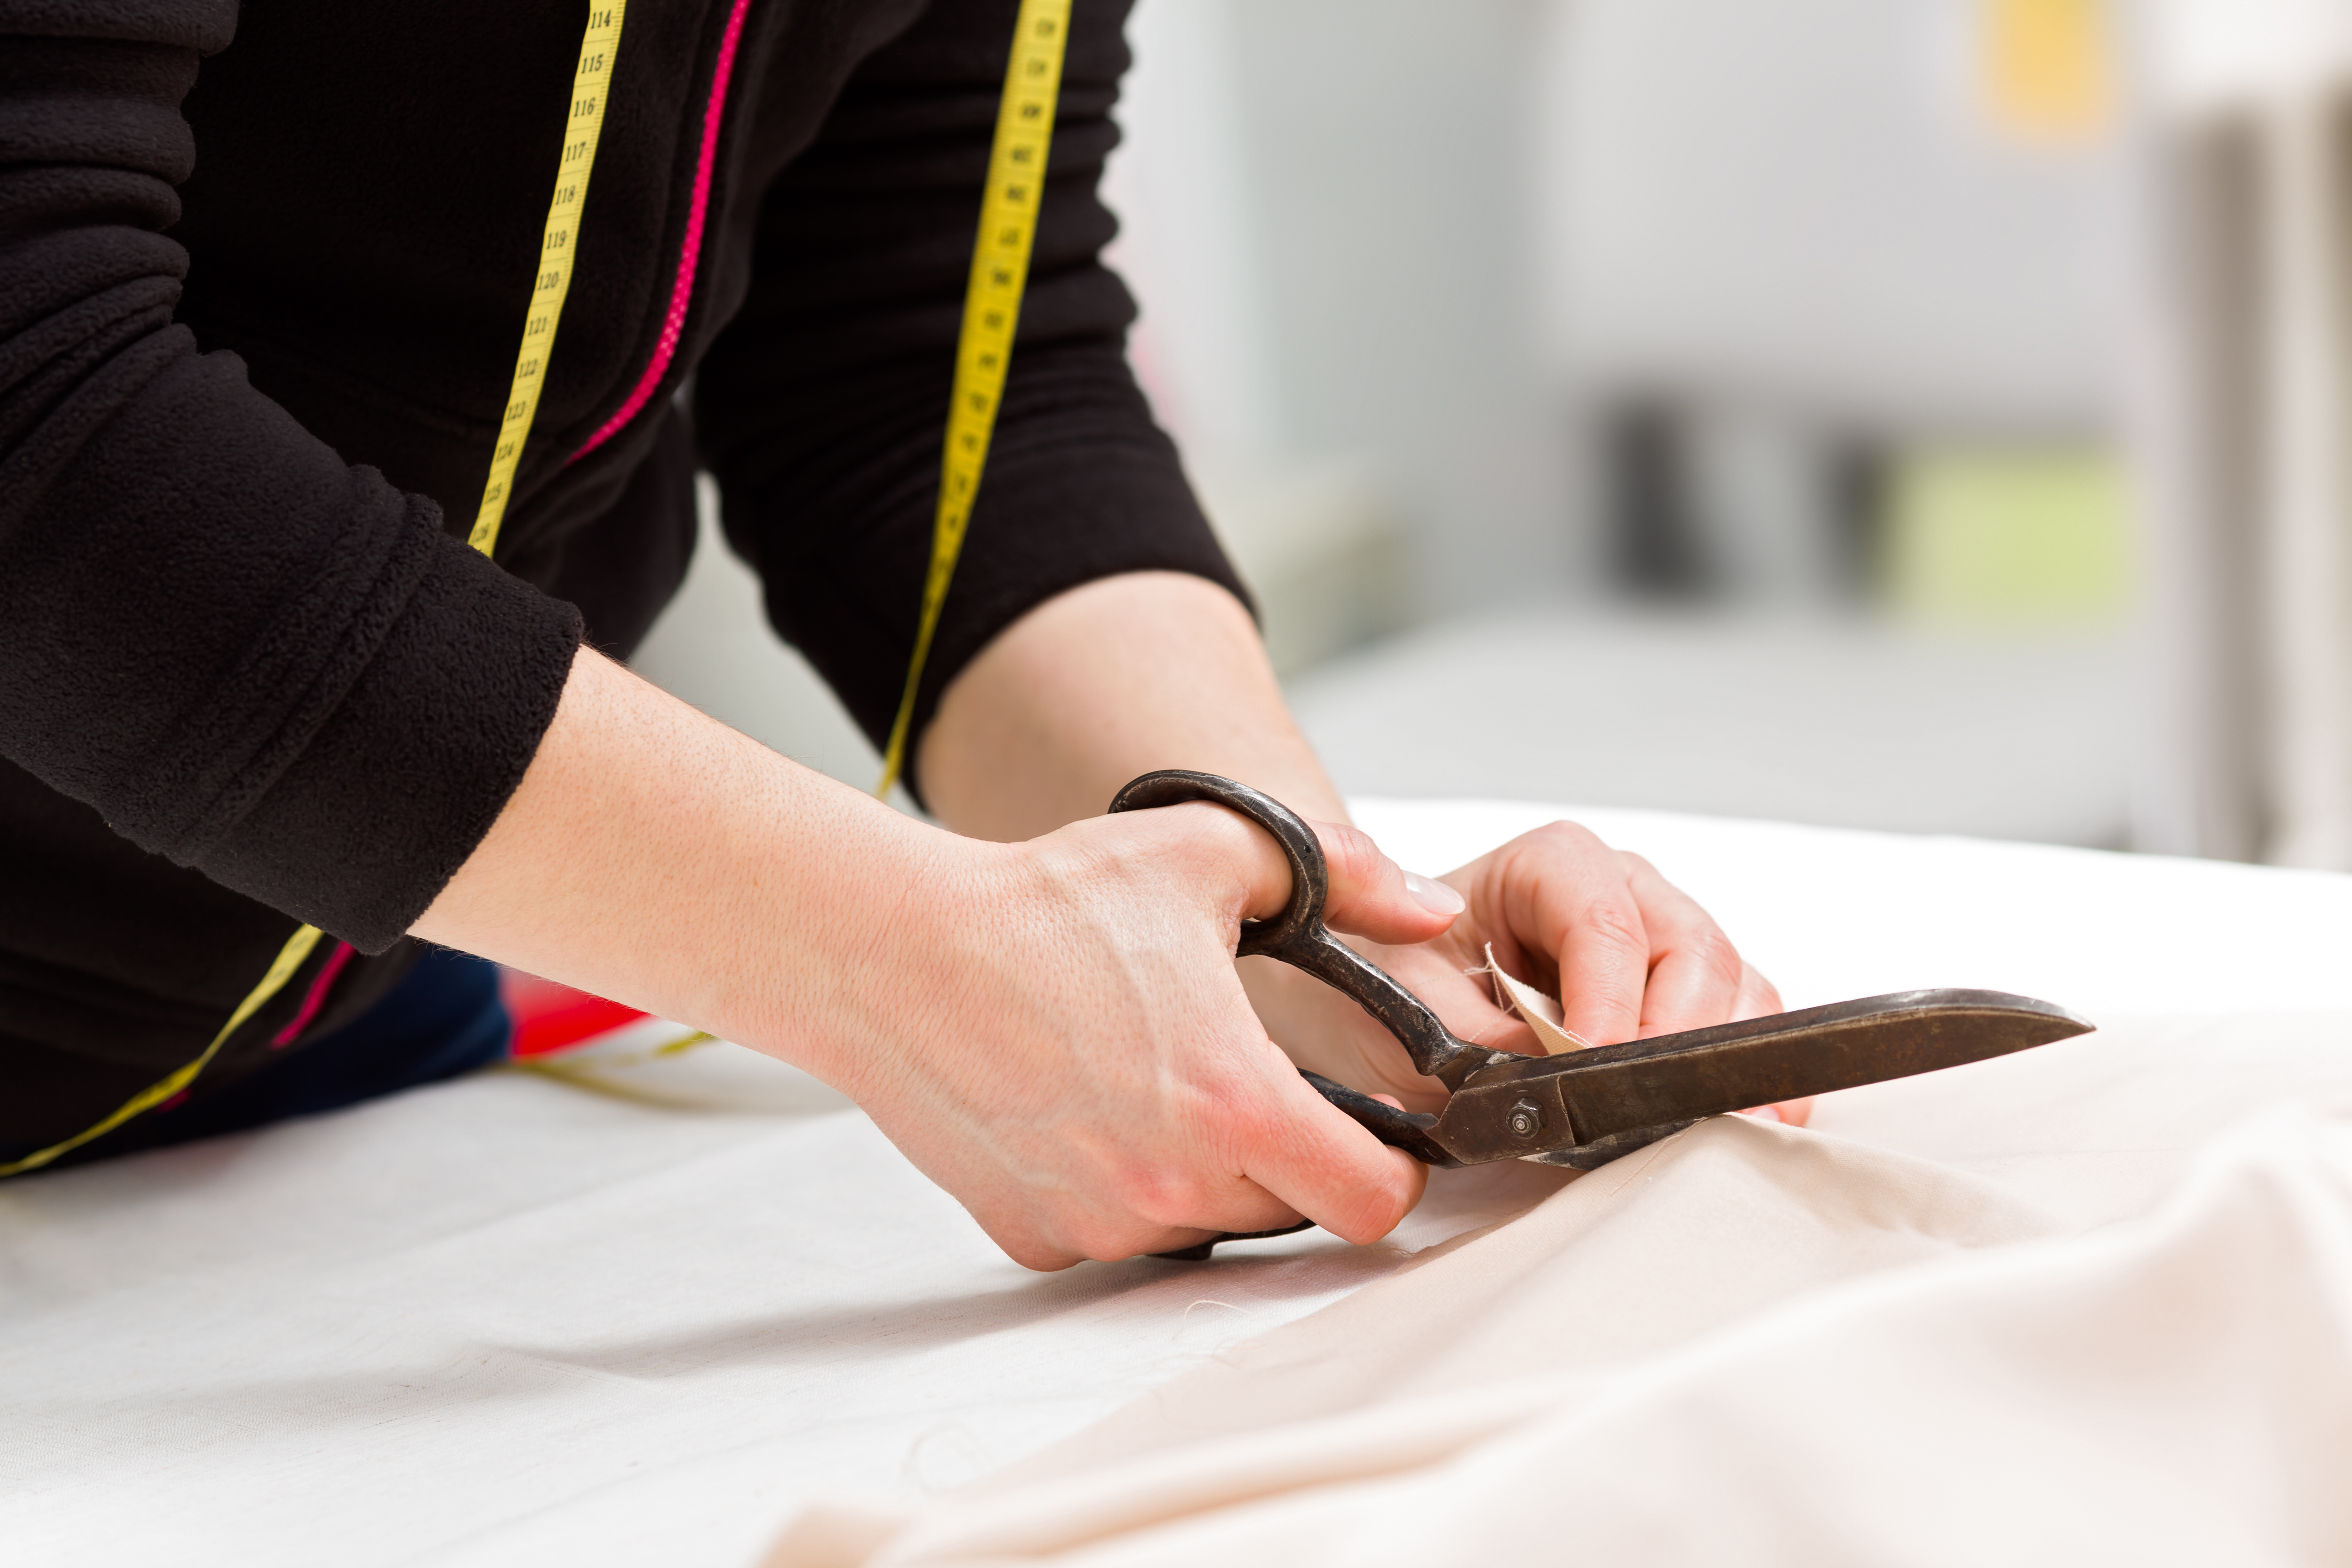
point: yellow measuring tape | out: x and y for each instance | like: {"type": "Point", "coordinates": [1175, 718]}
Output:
{"type": "Point", "coordinates": [1000, 270]}
{"type": "Point", "coordinates": [290, 958]}
{"type": "Point", "coordinates": [991, 309]}
{"type": "Point", "coordinates": [600, 45]}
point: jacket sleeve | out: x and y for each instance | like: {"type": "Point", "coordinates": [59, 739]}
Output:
{"type": "Point", "coordinates": [248, 655]}
{"type": "Point", "coordinates": [822, 407]}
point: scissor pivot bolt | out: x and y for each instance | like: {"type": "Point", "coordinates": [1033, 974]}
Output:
{"type": "Point", "coordinates": [1526, 1119]}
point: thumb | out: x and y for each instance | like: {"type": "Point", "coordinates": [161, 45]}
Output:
{"type": "Point", "coordinates": [1372, 897]}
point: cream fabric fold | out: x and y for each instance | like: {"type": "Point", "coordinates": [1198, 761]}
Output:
{"type": "Point", "coordinates": [1541, 1014]}
{"type": "Point", "coordinates": [1756, 1344]}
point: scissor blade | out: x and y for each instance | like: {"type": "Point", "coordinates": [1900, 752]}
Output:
{"type": "Point", "coordinates": [1550, 1104]}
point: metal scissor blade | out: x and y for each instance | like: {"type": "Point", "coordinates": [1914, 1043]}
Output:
{"type": "Point", "coordinates": [1554, 1106]}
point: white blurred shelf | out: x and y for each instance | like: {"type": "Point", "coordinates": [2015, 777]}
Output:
{"type": "Point", "coordinates": [1846, 723]}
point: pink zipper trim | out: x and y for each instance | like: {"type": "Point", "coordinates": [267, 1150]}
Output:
{"type": "Point", "coordinates": [317, 998]}
{"type": "Point", "coordinates": [682, 292]}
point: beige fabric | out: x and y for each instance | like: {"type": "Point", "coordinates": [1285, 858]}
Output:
{"type": "Point", "coordinates": [1541, 1014]}
{"type": "Point", "coordinates": [1756, 1344]}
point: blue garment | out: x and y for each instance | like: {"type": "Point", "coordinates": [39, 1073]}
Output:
{"type": "Point", "coordinates": [444, 1019]}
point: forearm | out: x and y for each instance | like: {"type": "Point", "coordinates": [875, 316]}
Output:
{"type": "Point", "coordinates": [657, 856]}
{"type": "Point", "coordinates": [1153, 669]}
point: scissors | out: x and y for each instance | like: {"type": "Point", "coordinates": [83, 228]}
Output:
{"type": "Point", "coordinates": [1583, 1109]}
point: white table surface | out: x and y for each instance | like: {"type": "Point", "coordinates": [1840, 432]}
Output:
{"type": "Point", "coordinates": [505, 1321]}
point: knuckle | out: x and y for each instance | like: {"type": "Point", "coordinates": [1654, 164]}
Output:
{"type": "Point", "coordinates": [1566, 837]}
{"type": "Point", "coordinates": [1105, 1240]}
{"type": "Point", "coordinates": [1244, 1118]}
{"type": "Point", "coordinates": [1351, 853]}
{"type": "Point", "coordinates": [1031, 1249]}
{"type": "Point", "coordinates": [1614, 923]}
{"type": "Point", "coordinates": [1721, 961]}
{"type": "Point", "coordinates": [1194, 839]}
{"type": "Point", "coordinates": [1370, 1211]}
{"type": "Point", "coordinates": [1158, 1196]}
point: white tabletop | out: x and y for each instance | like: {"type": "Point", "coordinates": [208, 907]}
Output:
{"type": "Point", "coordinates": [506, 1321]}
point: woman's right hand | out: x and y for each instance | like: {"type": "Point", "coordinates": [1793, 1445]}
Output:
{"type": "Point", "coordinates": [1062, 1043]}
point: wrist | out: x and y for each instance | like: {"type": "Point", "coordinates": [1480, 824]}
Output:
{"type": "Point", "coordinates": [852, 961]}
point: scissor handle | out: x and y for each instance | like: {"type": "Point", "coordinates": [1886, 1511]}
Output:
{"type": "Point", "coordinates": [1299, 937]}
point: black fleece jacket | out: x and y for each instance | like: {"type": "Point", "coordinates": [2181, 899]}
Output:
{"type": "Point", "coordinates": [256, 322]}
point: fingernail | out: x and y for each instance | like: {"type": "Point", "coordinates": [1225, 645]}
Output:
{"type": "Point", "coordinates": [1764, 1113]}
{"type": "Point", "coordinates": [1432, 895]}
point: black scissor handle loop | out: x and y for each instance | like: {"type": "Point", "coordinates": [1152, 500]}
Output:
{"type": "Point", "coordinates": [1299, 937]}
{"type": "Point", "coordinates": [1310, 876]}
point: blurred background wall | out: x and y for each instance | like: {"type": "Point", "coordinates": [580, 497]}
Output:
{"type": "Point", "coordinates": [1910, 414]}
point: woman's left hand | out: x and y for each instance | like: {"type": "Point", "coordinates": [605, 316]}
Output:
{"type": "Point", "coordinates": [1629, 955]}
